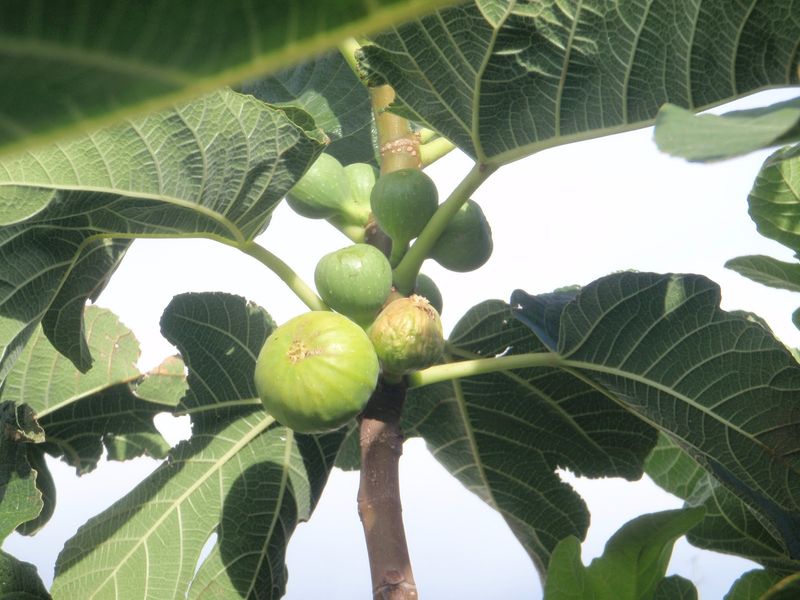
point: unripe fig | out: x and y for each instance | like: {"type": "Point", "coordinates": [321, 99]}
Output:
{"type": "Point", "coordinates": [403, 202]}
{"type": "Point", "coordinates": [407, 336]}
{"type": "Point", "coordinates": [354, 281]}
{"type": "Point", "coordinates": [322, 191]}
{"type": "Point", "coordinates": [316, 372]}
{"type": "Point", "coordinates": [362, 178]}
{"type": "Point", "coordinates": [426, 288]}
{"type": "Point", "coordinates": [466, 242]}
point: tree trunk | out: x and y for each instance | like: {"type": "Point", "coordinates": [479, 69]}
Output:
{"type": "Point", "coordinates": [379, 494]}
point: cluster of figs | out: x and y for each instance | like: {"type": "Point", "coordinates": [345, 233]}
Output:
{"type": "Point", "coordinates": [318, 370]}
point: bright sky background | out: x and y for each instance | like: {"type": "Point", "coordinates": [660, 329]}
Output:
{"type": "Point", "coordinates": [569, 215]}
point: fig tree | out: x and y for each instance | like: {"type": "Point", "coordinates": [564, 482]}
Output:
{"type": "Point", "coordinates": [403, 202]}
{"type": "Point", "coordinates": [407, 336]}
{"type": "Point", "coordinates": [426, 288]}
{"type": "Point", "coordinates": [322, 191]}
{"type": "Point", "coordinates": [354, 281]}
{"type": "Point", "coordinates": [466, 242]}
{"type": "Point", "coordinates": [316, 372]}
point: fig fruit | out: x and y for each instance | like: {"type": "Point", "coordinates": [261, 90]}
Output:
{"type": "Point", "coordinates": [403, 202]}
{"type": "Point", "coordinates": [316, 372]}
{"type": "Point", "coordinates": [426, 288]}
{"type": "Point", "coordinates": [466, 242]}
{"type": "Point", "coordinates": [354, 281]}
{"type": "Point", "coordinates": [407, 336]}
{"type": "Point", "coordinates": [362, 178]}
{"type": "Point", "coordinates": [322, 191]}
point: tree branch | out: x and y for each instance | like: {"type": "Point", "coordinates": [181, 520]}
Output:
{"type": "Point", "coordinates": [379, 494]}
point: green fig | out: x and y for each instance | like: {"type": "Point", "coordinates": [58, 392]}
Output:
{"type": "Point", "coordinates": [354, 281]}
{"type": "Point", "coordinates": [403, 202]}
{"type": "Point", "coordinates": [426, 288]}
{"type": "Point", "coordinates": [466, 243]}
{"type": "Point", "coordinates": [316, 372]}
{"type": "Point", "coordinates": [407, 336]}
{"type": "Point", "coordinates": [322, 191]}
{"type": "Point", "coordinates": [362, 178]}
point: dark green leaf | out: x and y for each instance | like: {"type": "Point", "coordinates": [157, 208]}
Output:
{"type": "Point", "coordinates": [718, 383]}
{"type": "Point", "coordinates": [20, 500]}
{"type": "Point", "coordinates": [787, 588]}
{"type": "Point", "coordinates": [774, 201]}
{"type": "Point", "coordinates": [767, 271]}
{"type": "Point", "coordinates": [712, 137]}
{"type": "Point", "coordinates": [46, 487]}
{"type": "Point", "coordinates": [221, 359]}
{"type": "Point", "coordinates": [632, 566]}
{"type": "Point", "coordinates": [328, 90]}
{"type": "Point", "coordinates": [72, 66]}
{"type": "Point", "coordinates": [238, 465]}
{"type": "Point", "coordinates": [506, 79]}
{"type": "Point", "coordinates": [166, 384]}
{"type": "Point", "coordinates": [675, 587]}
{"type": "Point", "coordinates": [214, 168]}
{"type": "Point", "coordinates": [503, 435]}
{"type": "Point", "coordinates": [20, 580]}
{"type": "Point", "coordinates": [752, 585]}
{"type": "Point", "coordinates": [730, 525]}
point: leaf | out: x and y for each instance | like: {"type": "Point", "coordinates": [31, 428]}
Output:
{"type": "Point", "coordinates": [675, 587]}
{"type": "Point", "coordinates": [229, 352]}
{"type": "Point", "coordinates": [237, 464]}
{"type": "Point", "coordinates": [787, 588]}
{"type": "Point", "coordinates": [327, 89]}
{"type": "Point", "coordinates": [730, 525]}
{"type": "Point", "coordinates": [504, 434]}
{"type": "Point", "coordinates": [633, 563]}
{"type": "Point", "coordinates": [20, 500]}
{"type": "Point", "coordinates": [503, 79]}
{"type": "Point", "coordinates": [47, 490]}
{"type": "Point", "coordinates": [767, 271]}
{"type": "Point", "coordinates": [214, 168]}
{"type": "Point", "coordinates": [719, 384]}
{"type": "Point", "coordinates": [752, 585]}
{"type": "Point", "coordinates": [166, 384]}
{"type": "Point", "coordinates": [47, 381]}
{"type": "Point", "coordinates": [679, 132]}
{"type": "Point", "coordinates": [20, 580]}
{"type": "Point", "coordinates": [131, 59]}
{"type": "Point", "coordinates": [774, 201]}
{"type": "Point", "coordinates": [113, 419]}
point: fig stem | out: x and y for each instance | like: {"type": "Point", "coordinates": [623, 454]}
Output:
{"type": "Point", "coordinates": [431, 151]}
{"type": "Point", "coordinates": [397, 144]}
{"type": "Point", "coordinates": [348, 49]}
{"type": "Point", "coordinates": [481, 366]}
{"type": "Point", "coordinates": [285, 273]}
{"type": "Point", "coordinates": [405, 274]}
{"type": "Point", "coordinates": [379, 494]}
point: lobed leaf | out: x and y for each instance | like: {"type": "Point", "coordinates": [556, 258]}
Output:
{"type": "Point", "coordinates": [718, 383]}
{"type": "Point", "coordinates": [504, 434]}
{"type": "Point", "coordinates": [135, 58]}
{"type": "Point", "coordinates": [633, 563]}
{"type": "Point", "coordinates": [214, 168]}
{"type": "Point", "coordinates": [504, 79]}
{"type": "Point", "coordinates": [767, 271]}
{"type": "Point", "coordinates": [238, 467]}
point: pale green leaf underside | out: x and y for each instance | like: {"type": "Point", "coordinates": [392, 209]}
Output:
{"type": "Point", "coordinates": [240, 476]}
{"type": "Point", "coordinates": [712, 137]}
{"type": "Point", "coordinates": [503, 79]}
{"type": "Point", "coordinates": [133, 58]}
{"type": "Point", "coordinates": [767, 271]}
{"type": "Point", "coordinates": [213, 168]}
{"type": "Point", "coordinates": [47, 381]}
{"type": "Point", "coordinates": [774, 201]}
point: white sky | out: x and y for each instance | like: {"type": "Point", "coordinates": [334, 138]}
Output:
{"type": "Point", "coordinates": [569, 215]}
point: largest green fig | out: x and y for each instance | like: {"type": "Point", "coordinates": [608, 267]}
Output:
{"type": "Point", "coordinates": [316, 372]}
